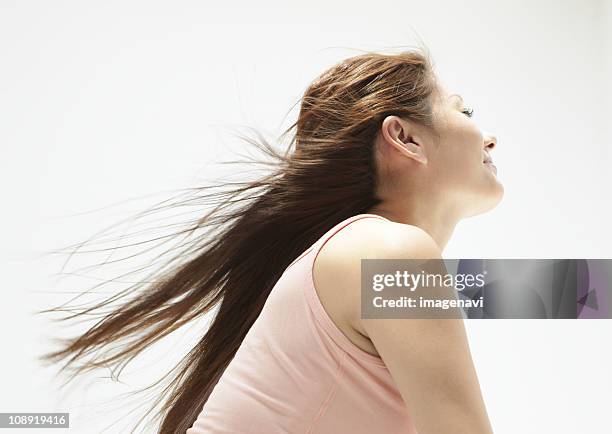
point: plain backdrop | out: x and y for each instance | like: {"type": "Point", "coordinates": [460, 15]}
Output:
{"type": "Point", "coordinates": [103, 102]}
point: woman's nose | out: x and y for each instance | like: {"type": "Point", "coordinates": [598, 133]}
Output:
{"type": "Point", "coordinates": [490, 141]}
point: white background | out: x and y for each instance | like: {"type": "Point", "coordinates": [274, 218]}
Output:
{"type": "Point", "coordinates": [106, 101]}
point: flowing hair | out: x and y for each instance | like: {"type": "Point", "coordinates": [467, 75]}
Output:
{"type": "Point", "coordinates": [255, 229]}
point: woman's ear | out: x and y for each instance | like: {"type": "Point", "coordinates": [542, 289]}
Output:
{"type": "Point", "coordinates": [400, 134]}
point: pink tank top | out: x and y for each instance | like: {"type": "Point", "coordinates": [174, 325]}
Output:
{"type": "Point", "coordinates": [296, 371]}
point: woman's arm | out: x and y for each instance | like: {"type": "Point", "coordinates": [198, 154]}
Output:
{"type": "Point", "coordinates": [430, 361]}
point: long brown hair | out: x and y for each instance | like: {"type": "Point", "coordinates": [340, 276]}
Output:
{"type": "Point", "coordinates": [256, 229]}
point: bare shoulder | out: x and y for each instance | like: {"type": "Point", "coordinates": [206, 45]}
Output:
{"type": "Point", "coordinates": [393, 240]}
{"type": "Point", "coordinates": [427, 358]}
{"type": "Point", "coordinates": [375, 238]}
{"type": "Point", "coordinates": [337, 268]}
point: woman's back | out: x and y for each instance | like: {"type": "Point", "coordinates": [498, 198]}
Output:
{"type": "Point", "coordinates": [297, 372]}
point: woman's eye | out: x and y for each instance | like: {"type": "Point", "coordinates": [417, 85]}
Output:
{"type": "Point", "coordinates": [468, 112]}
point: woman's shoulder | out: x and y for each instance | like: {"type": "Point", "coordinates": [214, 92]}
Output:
{"type": "Point", "coordinates": [337, 267]}
{"type": "Point", "coordinates": [374, 238]}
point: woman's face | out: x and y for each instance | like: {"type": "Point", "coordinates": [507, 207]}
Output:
{"type": "Point", "coordinates": [461, 160]}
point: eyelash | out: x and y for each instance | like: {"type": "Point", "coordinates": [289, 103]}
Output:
{"type": "Point", "coordinates": [468, 112]}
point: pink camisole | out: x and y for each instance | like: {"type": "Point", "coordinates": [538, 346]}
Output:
{"type": "Point", "coordinates": [296, 372]}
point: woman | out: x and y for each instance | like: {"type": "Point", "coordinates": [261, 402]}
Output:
{"type": "Point", "coordinates": [386, 162]}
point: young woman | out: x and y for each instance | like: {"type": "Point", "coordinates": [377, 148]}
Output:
{"type": "Point", "coordinates": [386, 162]}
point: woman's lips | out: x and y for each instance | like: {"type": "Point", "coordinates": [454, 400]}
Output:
{"type": "Point", "coordinates": [491, 166]}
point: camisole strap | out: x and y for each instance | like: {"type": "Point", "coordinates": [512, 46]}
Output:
{"type": "Point", "coordinates": [312, 297]}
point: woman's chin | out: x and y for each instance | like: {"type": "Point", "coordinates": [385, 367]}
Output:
{"type": "Point", "coordinates": [486, 200]}
{"type": "Point", "coordinates": [494, 190]}
{"type": "Point", "coordinates": [495, 196]}
{"type": "Point", "coordinates": [498, 195]}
